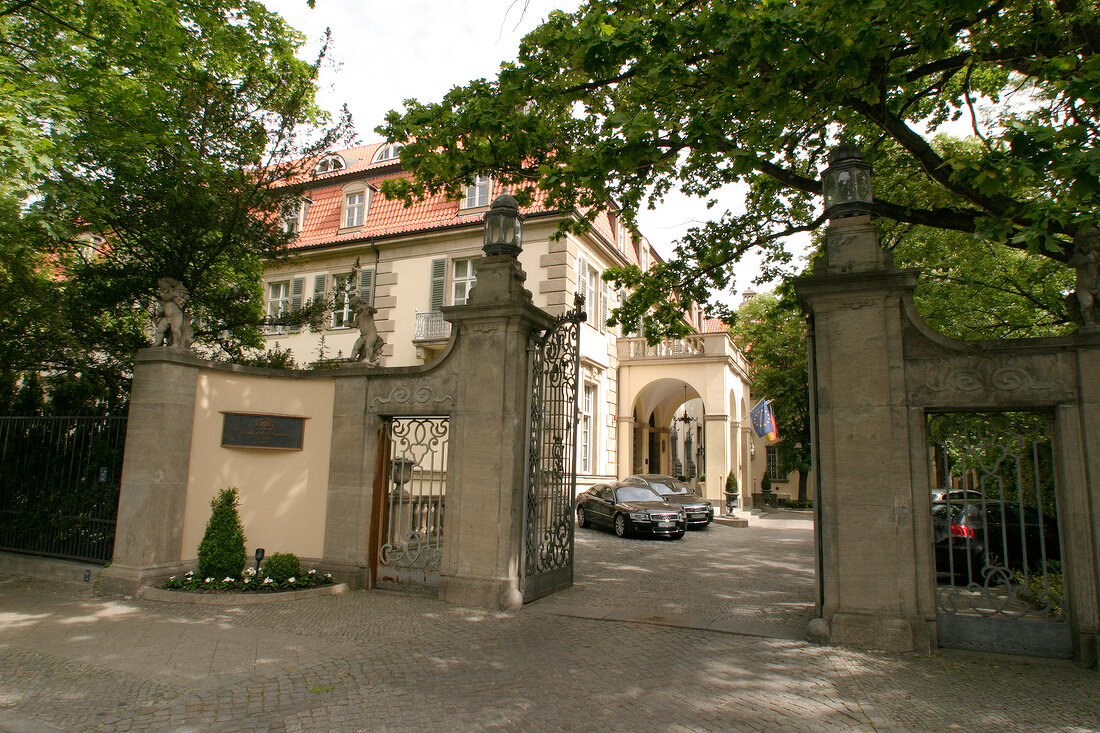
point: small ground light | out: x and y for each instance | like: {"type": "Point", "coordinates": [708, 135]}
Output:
{"type": "Point", "coordinates": [259, 558]}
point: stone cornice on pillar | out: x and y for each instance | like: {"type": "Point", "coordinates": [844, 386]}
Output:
{"type": "Point", "coordinates": [842, 287]}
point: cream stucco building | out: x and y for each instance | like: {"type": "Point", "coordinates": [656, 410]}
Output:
{"type": "Point", "coordinates": [412, 261]}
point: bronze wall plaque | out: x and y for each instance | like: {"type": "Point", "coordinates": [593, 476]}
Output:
{"type": "Point", "coordinates": [251, 430]}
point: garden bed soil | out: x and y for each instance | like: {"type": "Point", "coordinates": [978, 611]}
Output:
{"type": "Point", "coordinates": [230, 598]}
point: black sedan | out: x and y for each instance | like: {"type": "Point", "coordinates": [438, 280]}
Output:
{"type": "Point", "coordinates": [983, 542]}
{"type": "Point", "coordinates": [698, 510]}
{"type": "Point", "coordinates": [630, 510]}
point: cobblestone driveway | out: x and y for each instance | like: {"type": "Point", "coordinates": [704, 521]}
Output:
{"type": "Point", "coordinates": [376, 661]}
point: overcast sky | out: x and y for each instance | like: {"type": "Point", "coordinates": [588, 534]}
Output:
{"type": "Point", "coordinates": [386, 52]}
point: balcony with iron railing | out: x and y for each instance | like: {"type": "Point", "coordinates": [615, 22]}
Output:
{"type": "Point", "coordinates": [430, 326]}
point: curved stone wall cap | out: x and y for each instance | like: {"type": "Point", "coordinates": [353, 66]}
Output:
{"type": "Point", "coordinates": [844, 151]}
{"type": "Point", "coordinates": [924, 340]}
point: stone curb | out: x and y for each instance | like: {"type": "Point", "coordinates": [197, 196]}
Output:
{"type": "Point", "coordinates": [731, 521]}
{"type": "Point", "coordinates": [237, 599]}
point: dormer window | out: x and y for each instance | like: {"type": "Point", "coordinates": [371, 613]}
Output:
{"type": "Point", "coordinates": [477, 193]}
{"type": "Point", "coordinates": [294, 215]}
{"type": "Point", "coordinates": [387, 152]}
{"type": "Point", "coordinates": [329, 164]}
{"type": "Point", "coordinates": [357, 198]}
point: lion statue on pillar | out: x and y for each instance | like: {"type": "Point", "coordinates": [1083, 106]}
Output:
{"type": "Point", "coordinates": [368, 347]}
{"type": "Point", "coordinates": [173, 327]}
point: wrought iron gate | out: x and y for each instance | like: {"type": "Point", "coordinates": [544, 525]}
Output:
{"type": "Point", "coordinates": [552, 457]}
{"type": "Point", "coordinates": [59, 485]}
{"type": "Point", "coordinates": [413, 502]}
{"type": "Point", "coordinates": [999, 582]}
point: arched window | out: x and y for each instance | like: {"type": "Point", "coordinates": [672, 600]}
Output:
{"type": "Point", "coordinates": [387, 152]}
{"type": "Point", "coordinates": [329, 164]}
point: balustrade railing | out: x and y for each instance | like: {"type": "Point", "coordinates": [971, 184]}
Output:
{"type": "Point", "coordinates": [430, 326]}
{"type": "Point", "coordinates": [669, 348]}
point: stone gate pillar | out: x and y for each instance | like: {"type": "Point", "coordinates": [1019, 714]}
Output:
{"type": "Point", "coordinates": [483, 555]}
{"type": "Point", "coordinates": [148, 535]}
{"type": "Point", "coordinates": [870, 584]}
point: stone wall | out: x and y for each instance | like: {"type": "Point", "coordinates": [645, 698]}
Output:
{"type": "Point", "coordinates": [321, 502]}
{"type": "Point", "coordinates": [876, 371]}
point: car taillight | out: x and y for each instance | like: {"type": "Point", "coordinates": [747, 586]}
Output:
{"type": "Point", "coordinates": [959, 530]}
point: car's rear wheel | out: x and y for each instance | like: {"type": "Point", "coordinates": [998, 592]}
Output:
{"type": "Point", "coordinates": [582, 517]}
{"type": "Point", "coordinates": [620, 525]}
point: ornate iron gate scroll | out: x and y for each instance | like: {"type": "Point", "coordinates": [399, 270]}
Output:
{"type": "Point", "coordinates": [552, 457]}
{"type": "Point", "coordinates": [411, 542]}
{"type": "Point", "coordinates": [998, 556]}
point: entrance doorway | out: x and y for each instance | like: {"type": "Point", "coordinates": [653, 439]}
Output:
{"type": "Point", "coordinates": [998, 555]}
{"type": "Point", "coordinates": [410, 507]}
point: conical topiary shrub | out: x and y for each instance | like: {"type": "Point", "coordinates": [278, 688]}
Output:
{"type": "Point", "coordinates": [221, 552]}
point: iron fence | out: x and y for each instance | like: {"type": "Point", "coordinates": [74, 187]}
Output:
{"type": "Point", "coordinates": [59, 485]}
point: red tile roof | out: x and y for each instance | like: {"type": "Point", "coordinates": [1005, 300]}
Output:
{"type": "Point", "coordinates": [714, 325]}
{"type": "Point", "coordinates": [390, 217]}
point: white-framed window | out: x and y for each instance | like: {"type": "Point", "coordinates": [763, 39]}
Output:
{"type": "Point", "coordinates": [592, 296]}
{"type": "Point", "coordinates": [588, 428]}
{"type": "Point", "coordinates": [463, 278]}
{"type": "Point", "coordinates": [771, 454]}
{"type": "Point", "coordinates": [329, 164]}
{"type": "Point", "coordinates": [622, 237]}
{"type": "Point", "coordinates": [477, 192]}
{"type": "Point", "coordinates": [294, 214]}
{"type": "Point", "coordinates": [387, 152]}
{"type": "Point", "coordinates": [596, 292]}
{"type": "Point", "coordinates": [343, 287]}
{"type": "Point", "coordinates": [641, 248]}
{"type": "Point", "coordinates": [355, 206]}
{"type": "Point", "coordinates": [278, 303]}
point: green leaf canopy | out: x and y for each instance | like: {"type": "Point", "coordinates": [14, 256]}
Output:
{"type": "Point", "coordinates": [628, 99]}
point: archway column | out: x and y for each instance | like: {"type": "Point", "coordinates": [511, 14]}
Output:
{"type": "Point", "coordinates": [717, 460]}
{"type": "Point", "coordinates": [625, 427]}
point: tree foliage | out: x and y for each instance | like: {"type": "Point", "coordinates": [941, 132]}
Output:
{"type": "Point", "coordinates": [973, 289]}
{"type": "Point", "coordinates": [772, 330]}
{"type": "Point", "coordinates": [628, 99]}
{"type": "Point", "coordinates": [163, 128]}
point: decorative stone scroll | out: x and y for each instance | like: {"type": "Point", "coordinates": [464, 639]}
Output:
{"type": "Point", "coordinates": [405, 398]}
{"type": "Point", "coordinates": [973, 381]}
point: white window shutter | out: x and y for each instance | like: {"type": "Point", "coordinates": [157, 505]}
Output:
{"type": "Point", "coordinates": [582, 279]}
{"type": "Point", "coordinates": [318, 288]}
{"type": "Point", "coordinates": [439, 284]}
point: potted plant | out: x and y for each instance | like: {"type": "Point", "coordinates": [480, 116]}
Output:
{"type": "Point", "coordinates": [732, 492]}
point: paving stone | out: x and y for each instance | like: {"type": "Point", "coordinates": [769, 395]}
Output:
{"type": "Point", "coordinates": [384, 661]}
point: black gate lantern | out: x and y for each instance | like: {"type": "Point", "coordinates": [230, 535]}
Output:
{"type": "Point", "coordinates": [503, 227]}
{"type": "Point", "coordinates": [846, 183]}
